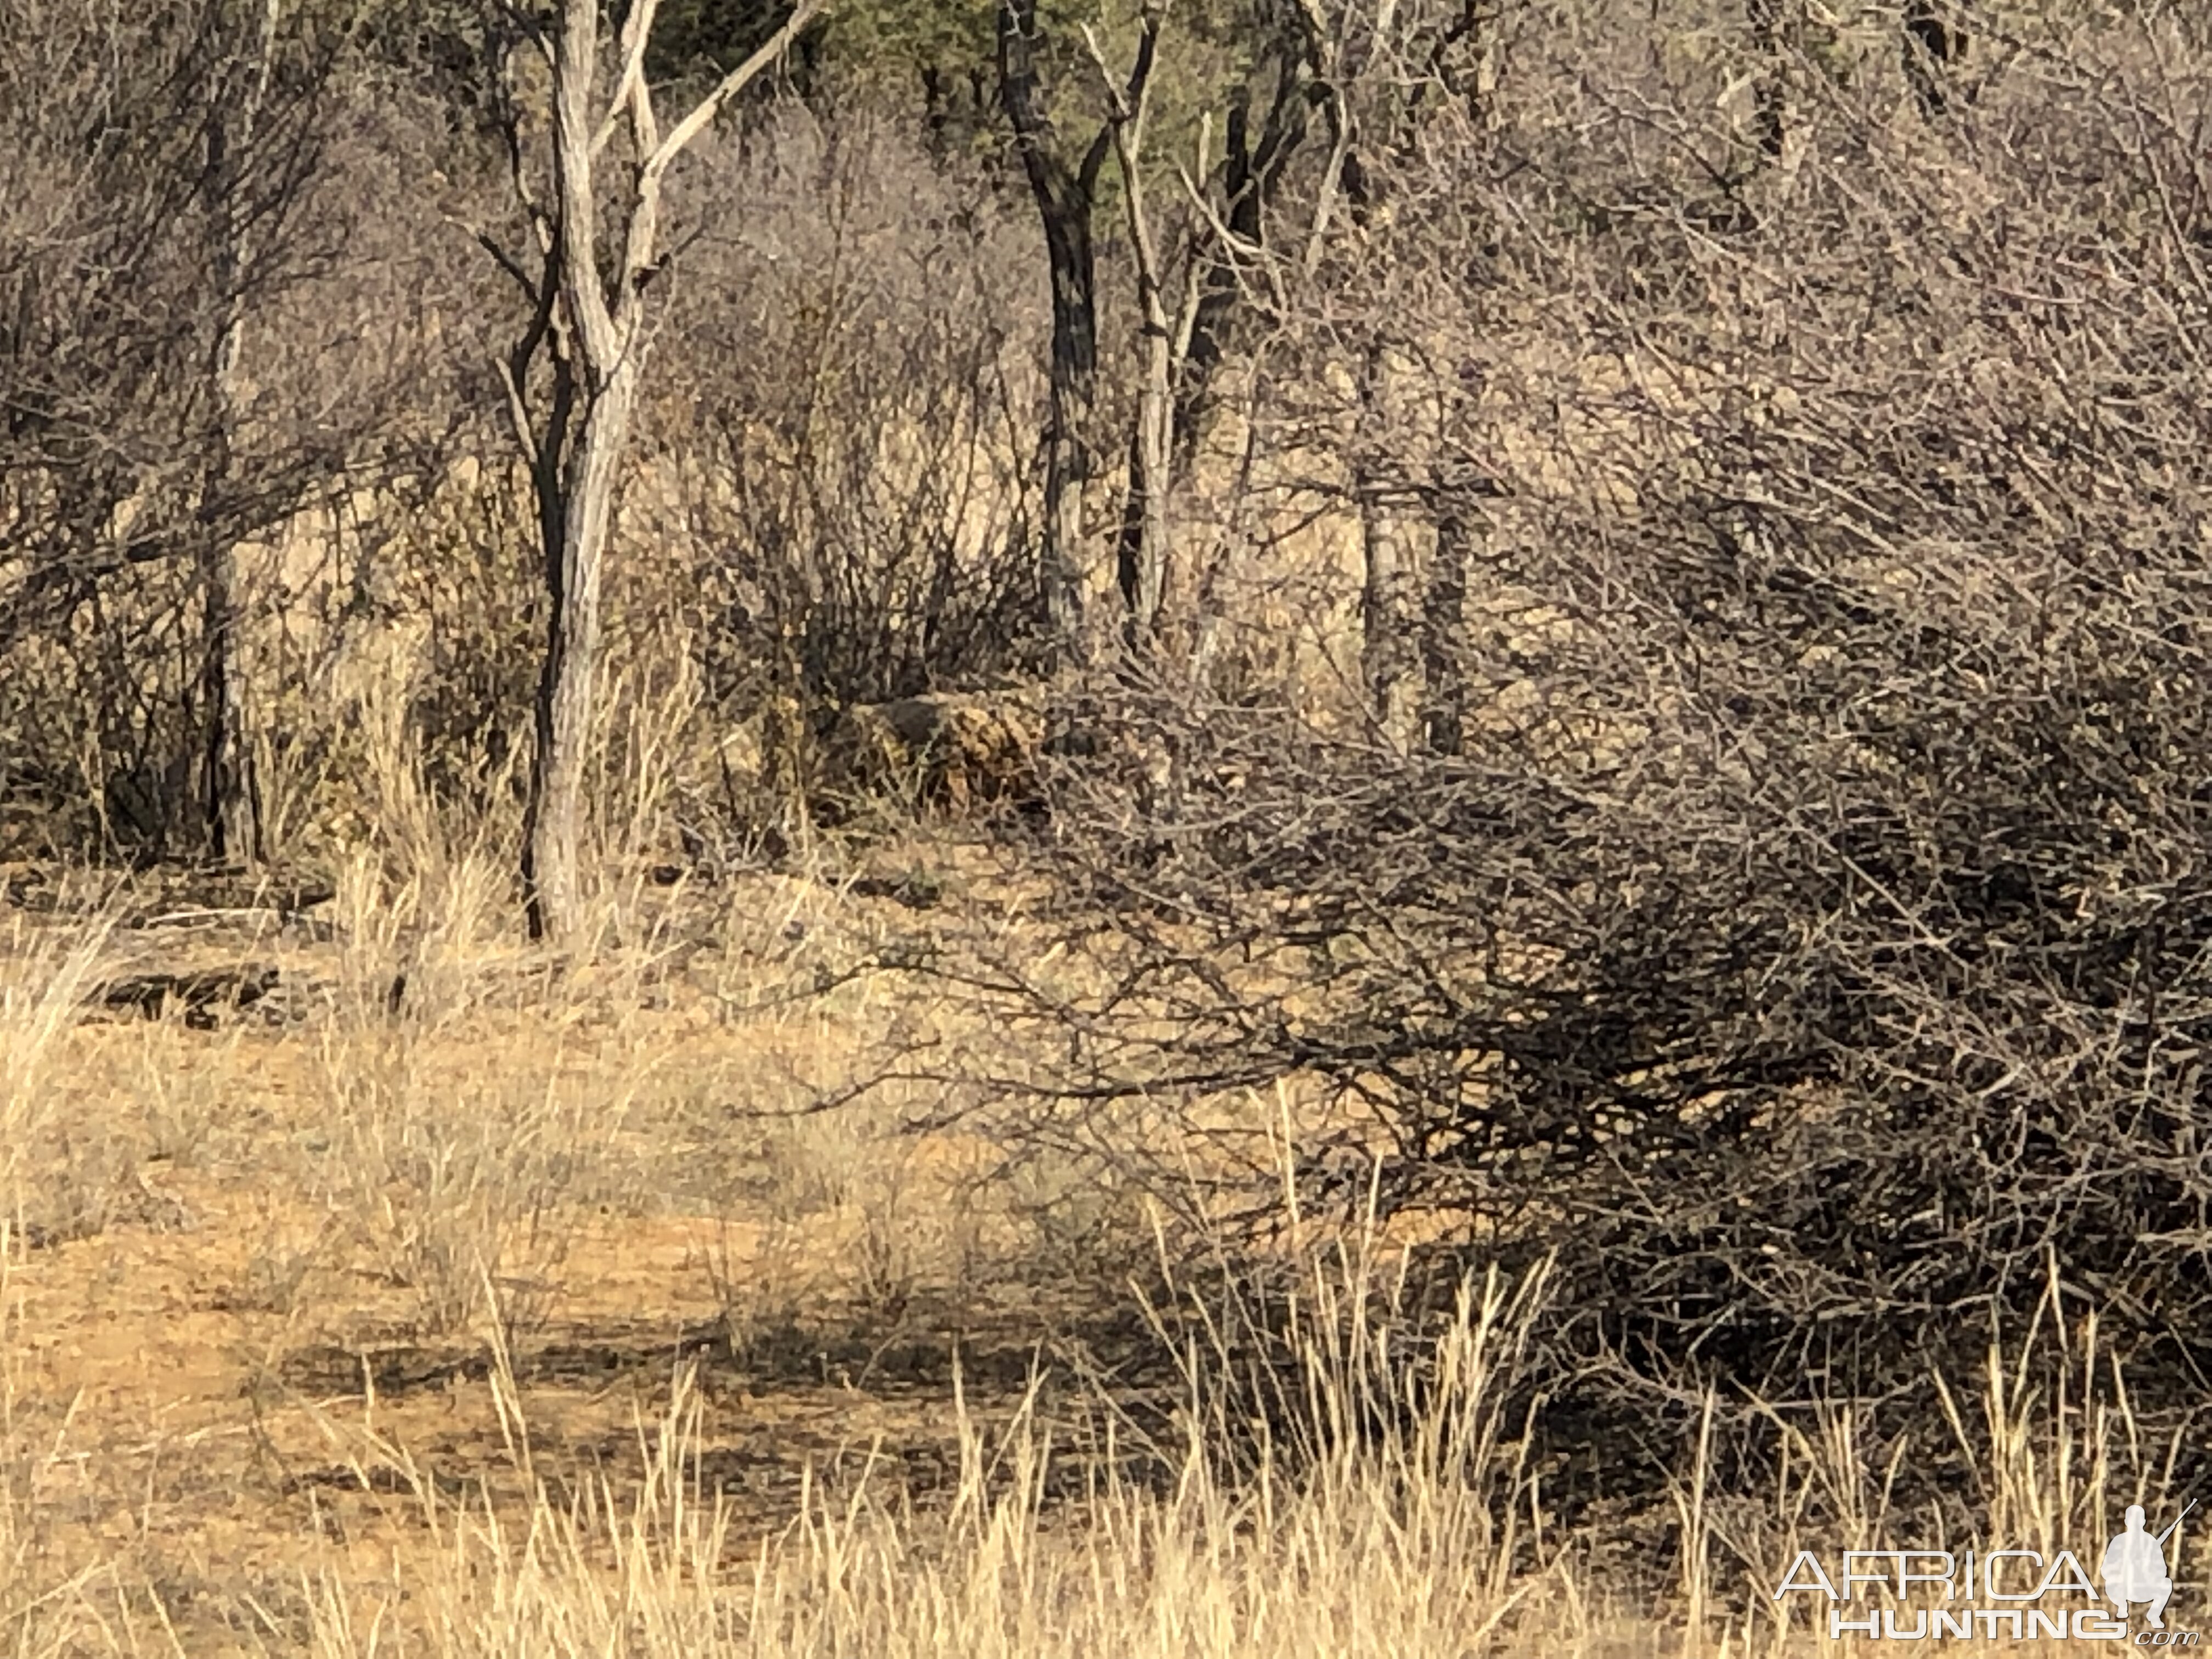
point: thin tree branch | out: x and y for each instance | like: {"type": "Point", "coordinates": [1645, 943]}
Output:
{"type": "Point", "coordinates": [637, 34]}
{"type": "Point", "coordinates": [732, 83]}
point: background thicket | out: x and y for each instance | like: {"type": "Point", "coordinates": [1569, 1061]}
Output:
{"type": "Point", "coordinates": [1614, 595]}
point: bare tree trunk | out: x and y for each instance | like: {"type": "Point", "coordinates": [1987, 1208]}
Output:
{"type": "Point", "coordinates": [1064, 197]}
{"type": "Point", "coordinates": [229, 798]}
{"type": "Point", "coordinates": [1067, 472]}
{"type": "Point", "coordinates": [591, 321]}
{"type": "Point", "coordinates": [230, 801]}
{"type": "Point", "coordinates": [1250, 174]}
{"type": "Point", "coordinates": [1384, 625]}
{"type": "Point", "coordinates": [1142, 561]}
{"type": "Point", "coordinates": [569, 676]}
{"type": "Point", "coordinates": [588, 478]}
{"type": "Point", "coordinates": [1443, 635]}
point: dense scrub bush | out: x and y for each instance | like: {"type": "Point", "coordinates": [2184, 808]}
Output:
{"type": "Point", "coordinates": [214, 328]}
{"type": "Point", "coordinates": [1796, 909]}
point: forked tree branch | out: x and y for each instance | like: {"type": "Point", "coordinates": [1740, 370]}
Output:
{"type": "Point", "coordinates": [637, 34]}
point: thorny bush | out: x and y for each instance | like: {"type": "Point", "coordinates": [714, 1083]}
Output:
{"type": "Point", "coordinates": [1795, 909]}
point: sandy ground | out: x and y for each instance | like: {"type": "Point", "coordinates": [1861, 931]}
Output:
{"type": "Point", "coordinates": [272, 1265]}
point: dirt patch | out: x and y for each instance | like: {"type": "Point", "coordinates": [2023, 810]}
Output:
{"type": "Point", "coordinates": [292, 1283]}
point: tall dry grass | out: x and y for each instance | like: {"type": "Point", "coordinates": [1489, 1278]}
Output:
{"type": "Point", "coordinates": [44, 975]}
{"type": "Point", "coordinates": [1384, 1522]}
{"type": "Point", "coordinates": [1337, 1472]}
{"type": "Point", "coordinates": [37, 1593]}
{"type": "Point", "coordinates": [1384, 1502]}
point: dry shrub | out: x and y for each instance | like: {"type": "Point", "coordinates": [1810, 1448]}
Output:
{"type": "Point", "coordinates": [125, 257]}
{"type": "Point", "coordinates": [856, 366]}
{"type": "Point", "coordinates": [1792, 907]}
{"type": "Point", "coordinates": [52, 1184]}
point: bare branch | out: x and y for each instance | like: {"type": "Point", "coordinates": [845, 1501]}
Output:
{"type": "Point", "coordinates": [732, 83]}
{"type": "Point", "coordinates": [637, 35]}
{"type": "Point", "coordinates": [506, 261]}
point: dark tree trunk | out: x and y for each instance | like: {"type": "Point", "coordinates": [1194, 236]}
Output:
{"type": "Point", "coordinates": [1443, 635]}
{"type": "Point", "coordinates": [1064, 199]}
{"type": "Point", "coordinates": [229, 802]}
{"type": "Point", "coordinates": [1250, 172]}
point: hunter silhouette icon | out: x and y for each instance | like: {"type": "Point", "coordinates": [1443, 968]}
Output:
{"type": "Point", "coordinates": [2134, 1568]}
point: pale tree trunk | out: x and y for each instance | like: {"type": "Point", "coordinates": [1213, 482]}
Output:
{"type": "Point", "coordinates": [1143, 564]}
{"type": "Point", "coordinates": [586, 479]}
{"type": "Point", "coordinates": [229, 797]}
{"type": "Point", "coordinates": [588, 313]}
{"type": "Point", "coordinates": [1386, 627]}
{"type": "Point", "coordinates": [569, 676]}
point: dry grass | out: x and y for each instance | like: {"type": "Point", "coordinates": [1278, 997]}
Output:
{"type": "Point", "coordinates": [1382, 1547]}
{"type": "Point", "coordinates": [501, 1323]}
